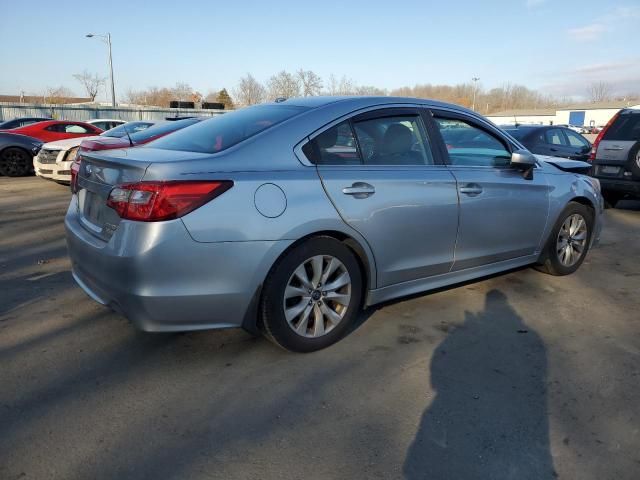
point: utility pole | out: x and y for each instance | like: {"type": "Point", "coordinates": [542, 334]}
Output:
{"type": "Point", "coordinates": [475, 89]}
{"type": "Point", "coordinates": [107, 39]}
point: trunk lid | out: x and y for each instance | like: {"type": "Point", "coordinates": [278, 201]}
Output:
{"type": "Point", "coordinates": [98, 174]}
{"type": "Point", "coordinates": [614, 151]}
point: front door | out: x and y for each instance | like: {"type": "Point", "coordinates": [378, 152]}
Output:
{"type": "Point", "coordinates": [502, 214]}
{"type": "Point", "coordinates": [379, 171]}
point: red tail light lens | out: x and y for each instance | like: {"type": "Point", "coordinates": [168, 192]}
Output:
{"type": "Point", "coordinates": [596, 142]}
{"type": "Point", "coordinates": [156, 201]}
{"type": "Point", "coordinates": [75, 168]}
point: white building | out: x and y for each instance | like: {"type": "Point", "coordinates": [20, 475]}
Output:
{"type": "Point", "coordinates": [590, 114]}
{"type": "Point", "coordinates": [524, 117]}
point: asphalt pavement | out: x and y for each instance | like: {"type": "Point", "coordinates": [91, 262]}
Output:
{"type": "Point", "coordinates": [517, 376]}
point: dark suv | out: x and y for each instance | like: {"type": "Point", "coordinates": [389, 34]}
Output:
{"type": "Point", "coordinates": [616, 157]}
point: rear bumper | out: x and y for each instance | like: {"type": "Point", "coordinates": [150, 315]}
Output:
{"type": "Point", "coordinates": [157, 276]}
{"type": "Point", "coordinates": [59, 171]}
{"type": "Point", "coordinates": [622, 186]}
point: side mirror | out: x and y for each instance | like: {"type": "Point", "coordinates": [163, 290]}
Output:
{"type": "Point", "coordinates": [525, 161]}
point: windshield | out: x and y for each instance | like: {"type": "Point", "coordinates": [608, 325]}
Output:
{"type": "Point", "coordinates": [224, 131]}
{"type": "Point", "coordinates": [131, 127]}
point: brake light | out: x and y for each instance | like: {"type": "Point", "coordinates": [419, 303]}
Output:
{"type": "Point", "coordinates": [596, 142]}
{"type": "Point", "coordinates": [75, 168]}
{"type": "Point", "coordinates": [156, 201]}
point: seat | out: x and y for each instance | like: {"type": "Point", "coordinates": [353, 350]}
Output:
{"type": "Point", "coordinates": [396, 148]}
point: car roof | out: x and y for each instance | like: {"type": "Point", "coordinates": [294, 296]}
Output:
{"type": "Point", "coordinates": [364, 101]}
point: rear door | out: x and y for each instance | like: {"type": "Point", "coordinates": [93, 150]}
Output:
{"type": "Point", "coordinates": [579, 146]}
{"type": "Point", "coordinates": [380, 172]}
{"type": "Point", "coordinates": [556, 143]}
{"type": "Point", "coordinates": [502, 215]}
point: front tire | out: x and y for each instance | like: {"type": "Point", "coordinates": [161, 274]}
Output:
{"type": "Point", "coordinates": [569, 240]}
{"type": "Point", "coordinates": [15, 162]}
{"type": "Point", "coordinates": [312, 295]}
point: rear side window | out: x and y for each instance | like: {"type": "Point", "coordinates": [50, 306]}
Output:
{"type": "Point", "coordinates": [554, 137]}
{"type": "Point", "coordinates": [470, 145]}
{"type": "Point", "coordinates": [75, 129]}
{"type": "Point", "coordinates": [625, 127]}
{"type": "Point", "coordinates": [398, 140]}
{"type": "Point", "coordinates": [224, 131]}
{"type": "Point", "coordinates": [334, 146]}
{"type": "Point", "coordinates": [576, 140]}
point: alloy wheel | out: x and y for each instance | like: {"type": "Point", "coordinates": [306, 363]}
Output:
{"type": "Point", "coordinates": [317, 296]}
{"type": "Point", "coordinates": [572, 240]}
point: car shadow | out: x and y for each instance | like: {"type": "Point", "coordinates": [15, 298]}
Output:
{"type": "Point", "coordinates": [489, 416]}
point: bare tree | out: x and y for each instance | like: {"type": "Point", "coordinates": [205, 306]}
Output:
{"type": "Point", "coordinates": [56, 95]}
{"type": "Point", "coordinates": [283, 84]}
{"type": "Point", "coordinates": [599, 91]}
{"type": "Point", "coordinates": [310, 82]}
{"type": "Point", "coordinates": [182, 92]}
{"type": "Point", "coordinates": [249, 91]}
{"type": "Point", "coordinates": [90, 82]}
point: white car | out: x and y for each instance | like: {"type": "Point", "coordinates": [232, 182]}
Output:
{"type": "Point", "coordinates": [106, 123]}
{"type": "Point", "coordinates": [55, 158]}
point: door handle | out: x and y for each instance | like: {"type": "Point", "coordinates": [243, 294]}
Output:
{"type": "Point", "coordinates": [553, 149]}
{"type": "Point", "coordinates": [615, 148]}
{"type": "Point", "coordinates": [471, 189]}
{"type": "Point", "coordinates": [359, 190]}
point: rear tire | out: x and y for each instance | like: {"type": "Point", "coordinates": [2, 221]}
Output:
{"type": "Point", "coordinates": [569, 240]}
{"type": "Point", "coordinates": [312, 295]}
{"type": "Point", "coordinates": [15, 162]}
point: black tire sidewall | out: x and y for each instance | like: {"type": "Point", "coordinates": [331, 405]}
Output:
{"type": "Point", "coordinates": [631, 163]}
{"type": "Point", "coordinates": [552, 258]}
{"type": "Point", "coordinates": [21, 172]}
{"type": "Point", "coordinates": [273, 318]}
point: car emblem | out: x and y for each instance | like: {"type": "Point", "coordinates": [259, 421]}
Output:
{"type": "Point", "coordinates": [87, 169]}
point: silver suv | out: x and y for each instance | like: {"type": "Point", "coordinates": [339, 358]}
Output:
{"type": "Point", "coordinates": [616, 157]}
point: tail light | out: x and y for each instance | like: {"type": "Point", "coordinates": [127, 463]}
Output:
{"type": "Point", "coordinates": [156, 201]}
{"type": "Point", "coordinates": [75, 168]}
{"type": "Point", "coordinates": [596, 142]}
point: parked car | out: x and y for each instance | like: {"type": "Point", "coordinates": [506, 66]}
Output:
{"type": "Point", "coordinates": [16, 152]}
{"type": "Point", "coordinates": [106, 123]}
{"type": "Point", "coordinates": [551, 140]}
{"type": "Point", "coordinates": [154, 132]}
{"type": "Point", "coordinates": [50, 130]}
{"type": "Point", "coordinates": [20, 122]}
{"type": "Point", "coordinates": [616, 157]}
{"type": "Point", "coordinates": [55, 158]}
{"type": "Point", "coordinates": [258, 218]}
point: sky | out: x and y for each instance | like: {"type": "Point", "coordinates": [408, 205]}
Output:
{"type": "Point", "coordinates": [555, 46]}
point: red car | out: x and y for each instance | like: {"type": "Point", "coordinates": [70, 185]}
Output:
{"type": "Point", "coordinates": [52, 130]}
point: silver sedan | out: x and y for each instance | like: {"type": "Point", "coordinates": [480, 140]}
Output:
{"type": "Point", "coordinates": [288, 218]}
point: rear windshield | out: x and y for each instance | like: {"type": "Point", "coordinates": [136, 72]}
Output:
{"type": "Point", "coordinates": [224, 131]}
{"type": "Point", "coordinates": [162, 129]}
{"type": "Point", "coordinates": [131, 127]}
{"type": "Point", "coordinates": [625, 127]}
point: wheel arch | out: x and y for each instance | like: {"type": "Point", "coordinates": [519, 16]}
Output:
{"type": "Point", "coordinates": [251, 320]}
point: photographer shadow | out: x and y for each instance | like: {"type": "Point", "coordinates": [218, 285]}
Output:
{"type": "Point", "coordinates": [489, 417]}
